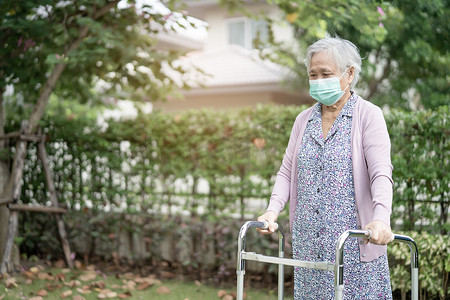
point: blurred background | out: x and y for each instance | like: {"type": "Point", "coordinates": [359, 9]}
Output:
{"type": "Point", "coordinates": [164, 124]}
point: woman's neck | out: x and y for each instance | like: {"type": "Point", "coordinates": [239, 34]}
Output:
{"type": "Point", "coordinates": [336, 108]}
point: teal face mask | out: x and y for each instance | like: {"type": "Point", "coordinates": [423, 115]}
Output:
{"type": "Point", "coordinates": [327, 91]}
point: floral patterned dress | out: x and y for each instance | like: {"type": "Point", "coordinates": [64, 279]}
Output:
{"type": "Point", "coordinates": [325, 209]}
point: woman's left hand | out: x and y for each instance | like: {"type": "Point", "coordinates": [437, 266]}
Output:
{"type": "Point", "coordinates": [381, 233]}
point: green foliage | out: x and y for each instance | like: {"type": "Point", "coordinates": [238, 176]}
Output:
{"type": "Point", "coordinates": [143, 175]}
{"type": "Point", "coordinates": [420, 155]}
{"type": "Point", "coordinates": [404, 43]}
{"type": "Point", "coordinates": [161, 163]}
{"type": "Point", "coordinates": [102, 43]}
{"type": "Point", "coordinates": [434, 265]}
{"type": "Point", "coordinates": [153, 165]}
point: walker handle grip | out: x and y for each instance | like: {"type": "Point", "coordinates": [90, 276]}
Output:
{"type": "Point", "coordinates": [368, 235]}
{"type": "Point", "coordinates": [265, 225]}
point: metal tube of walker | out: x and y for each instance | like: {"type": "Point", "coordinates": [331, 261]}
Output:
{"type": "Point", "coordinates": [339, 267]}
{"type": "Point", "coordinates": [280, 266]}
{"type": "Point", "coordinates": [339, 263]}
{"type": "Point", "coordinates": [240, 270]}
{"type": "Point", "coordinates": [414, 263]}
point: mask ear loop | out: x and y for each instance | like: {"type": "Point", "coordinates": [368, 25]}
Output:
{"type": "Point", "coordinates": [344, 72]}
{"type": "Point", "coordinates": [343, 75]}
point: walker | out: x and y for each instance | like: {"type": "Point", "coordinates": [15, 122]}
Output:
{"type": "Point", "coordinates": [337, 267]}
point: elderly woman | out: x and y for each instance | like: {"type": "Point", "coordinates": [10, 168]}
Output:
{"type": "Point", "coordinates": [337, 174]}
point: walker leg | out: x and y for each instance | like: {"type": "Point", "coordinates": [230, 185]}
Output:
{"type": "Point", "coordinates": [414, 263]}
{"type": "Point", "coordinates": [339, 263]}
{"type": "Point", "coordinates": [281, 266]}
{"type": "Point", "coordinates": [240, 285]}
{"type": "Point", "coordinates": [280, 282]}
{"type": "Point", "coordinates": [415, 283]}
{"type": "Point", "coordinates": [339, 292]}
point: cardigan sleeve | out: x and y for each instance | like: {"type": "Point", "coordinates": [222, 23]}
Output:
{"type": "Point", "coordinates": [377, 148]}
{"type": "Point", "coordinates": [281, 190]}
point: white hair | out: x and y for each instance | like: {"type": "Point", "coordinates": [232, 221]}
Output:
{"type": "Point", "coordinates": [344, 52]}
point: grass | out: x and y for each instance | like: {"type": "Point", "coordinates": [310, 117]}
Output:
{"type": "Point", "coordinates": [93, 284]}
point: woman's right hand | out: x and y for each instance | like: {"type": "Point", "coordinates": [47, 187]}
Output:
{"type": "Point", "coordinates": [270, 216]}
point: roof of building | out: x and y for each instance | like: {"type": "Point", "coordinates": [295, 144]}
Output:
{"type": "Point", "coordinates": [233, 66]}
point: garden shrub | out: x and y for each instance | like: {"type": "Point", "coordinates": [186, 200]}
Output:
{"type": "Point", "coordinates": [213, 166]}
{"type": "Point", "coordinates": [161, 163]}
{"type": "Point", "coordinates": [420, 155]}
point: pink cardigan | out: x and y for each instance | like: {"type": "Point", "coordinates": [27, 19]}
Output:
{"type": "Point", "coordinates": [372, 171]}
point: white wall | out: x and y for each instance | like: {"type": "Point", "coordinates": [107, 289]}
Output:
{"type": "Point", "coordinates": [217, 18]}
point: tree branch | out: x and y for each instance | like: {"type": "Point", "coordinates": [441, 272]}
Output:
{"type": "Point", "coordinates": [105, 9]}
{"type": "Point", "coordinates": [2, 117]}
{"type": "Point", "coordinates": [39, 108]}
{"type": "Point", "coordinates": [374, 83]}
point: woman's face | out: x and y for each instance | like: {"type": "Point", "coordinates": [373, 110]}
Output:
{"type": "Point", "coordinates": [322, 66]}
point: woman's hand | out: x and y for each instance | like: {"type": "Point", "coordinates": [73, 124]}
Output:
{"type": "Point", "coordinates": [270, 216]}
{"type": "Point", "coordinates": [381, 233]}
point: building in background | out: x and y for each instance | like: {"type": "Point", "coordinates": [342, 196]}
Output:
{"type": "Point", "coordinates": [234, 74]}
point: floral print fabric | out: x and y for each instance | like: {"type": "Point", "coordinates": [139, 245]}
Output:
{"type": "Point", "coordinates": [325, 209]}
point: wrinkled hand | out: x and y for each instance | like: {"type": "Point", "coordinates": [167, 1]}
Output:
{"type": "Point", "coordinates": [269, 216]}
{"type": "Point", "coordinates": [381, 233]}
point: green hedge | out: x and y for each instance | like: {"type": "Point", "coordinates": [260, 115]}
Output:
{"type": "Point", "coordinates": [420, 155]}
{"type": "Point", "coordinates": [140, 165]}
{"type": "Point", "coordinates": [157, 164]}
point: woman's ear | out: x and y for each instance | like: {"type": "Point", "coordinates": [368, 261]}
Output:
{"type": "Point", "coordinates": [351, 74]}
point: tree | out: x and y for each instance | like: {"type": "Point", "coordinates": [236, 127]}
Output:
{"type": "Point", "coordinates": [404, 43]}
{"type": "Point", "coordinates": [64, 48]}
